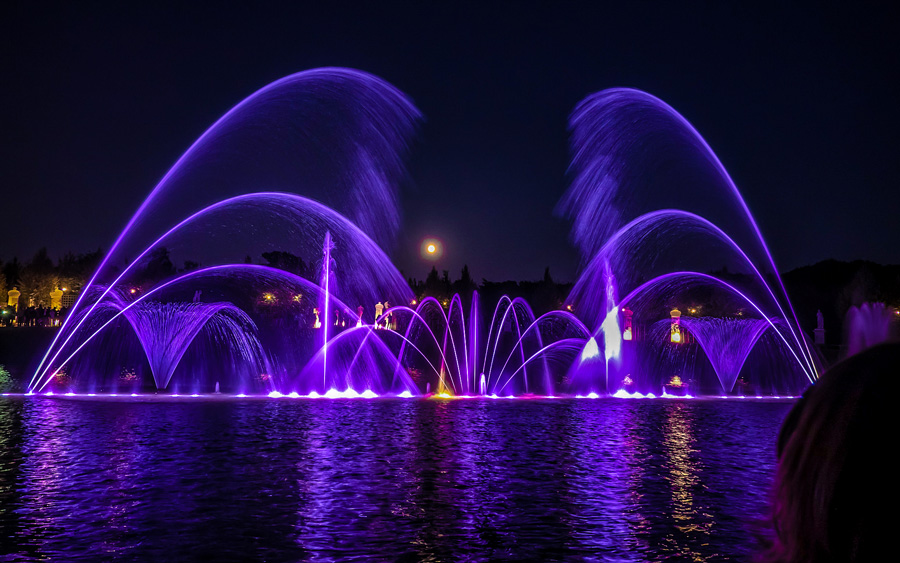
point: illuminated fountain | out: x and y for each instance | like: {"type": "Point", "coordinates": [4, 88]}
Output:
{"type": "Point", "coordinates": [326, 146]}
{"type": "Point", "coordinates": [336, 135]}
{"type": "Point", "coordinates": [727, 343]}
{"type": "Point", "coordinates": [512, 353]}
{"type": "Point", "coordinates": [647, 198]}
{"type": "Point", "coordinates": [868, 325]}
{"type": "Point", "coordinates": [166, 330]}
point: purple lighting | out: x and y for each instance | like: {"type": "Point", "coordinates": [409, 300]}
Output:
{"type": "Point", "coordinates": [645, 191]}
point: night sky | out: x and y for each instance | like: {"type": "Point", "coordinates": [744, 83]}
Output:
{"type": "Point", "coordinates": [801, 105]}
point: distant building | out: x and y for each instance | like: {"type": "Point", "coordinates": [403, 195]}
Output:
{"type": "Point", "coordinates": [68, 298]}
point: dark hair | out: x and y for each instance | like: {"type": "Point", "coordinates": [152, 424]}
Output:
{"type": "Point", "coordinates": [834, 487]}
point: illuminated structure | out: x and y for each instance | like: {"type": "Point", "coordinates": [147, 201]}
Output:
{"type": "Point", "coordinates": [13, 295]}
{"type": "Point", "coordinates": [675, 329]}
{"type": "Point", "coordinates": [56, 299]}
{"type": "Point", "coordinates": [362, 124]}
{"type": "Point", "coordinates": [628, 332]}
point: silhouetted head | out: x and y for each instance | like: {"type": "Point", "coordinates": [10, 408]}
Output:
{"type": "Point", "coordinates": [835, 487]}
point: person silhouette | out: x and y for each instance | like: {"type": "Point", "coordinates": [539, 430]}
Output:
{"type": "Point", "coordinates": [834, 486]}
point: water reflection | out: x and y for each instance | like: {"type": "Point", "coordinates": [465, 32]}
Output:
{"type": "Point", "coordinates": [684, 473]}
{"type": "Point", "coordinates": [383, 479]}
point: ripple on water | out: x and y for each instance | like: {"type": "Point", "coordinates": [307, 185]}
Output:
{"type": "Point", "coordinates": [392, 479]}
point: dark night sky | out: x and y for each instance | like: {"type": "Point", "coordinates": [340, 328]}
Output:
{"type": "Point", "coordinates": [801, 105]}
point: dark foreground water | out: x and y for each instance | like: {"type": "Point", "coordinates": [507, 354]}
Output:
{"type": "Point", "coordinates": [408, 480]}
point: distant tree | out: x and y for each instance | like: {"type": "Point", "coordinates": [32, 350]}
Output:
{"type": "Point", "coordinates": [547, 279]}
{"type": "Point", "coordinates": [38, 279]}
{"type": "Point", "coordinates": [7, 383]}
{"type": "Point", "coordinates": [41, 262]}
{"type": "Point", "coordinates": [286, 261]}
{"type": "Point", "coordinates": [190, 265]}
{"type": "Point", "coordinates": [11, 272]}
{"type": "Point", "coordinates": [465, 278]}
{"type": "Point", "coordinates": [248, 259]}
{"type": "Point", "coordinates": [446, 287]}
{"type": "Point", "coordinates": [464, 286]}
{"type": "Point", "coordinates": [157, 266]}
{"type": "Point", "coordinates": [864, 287]}
{"type": "Point", "coordinates": [36, 288]}
{"type": "Point", "coordinates": [432, 284]}
{"type": "Point", "coordinates": [74, 270]}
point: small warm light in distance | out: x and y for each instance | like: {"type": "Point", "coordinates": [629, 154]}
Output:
{"type": "Point", "coordinates": [133, 290]}
{"type": "Point", "coordinates": [413, 302]}
{"type": "Point", "coordinates": [431, 249]}
{"type": "Point", "coordinates": [65, 289]}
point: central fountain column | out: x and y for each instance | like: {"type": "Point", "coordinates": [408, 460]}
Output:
{"type": "Point", "coordinates": [327, 272]}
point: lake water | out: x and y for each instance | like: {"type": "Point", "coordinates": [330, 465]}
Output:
{"type": "Point", "coordinates": [384, 479]}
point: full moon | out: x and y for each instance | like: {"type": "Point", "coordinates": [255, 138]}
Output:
{"type": "Point", "coordinates": [431, 249]}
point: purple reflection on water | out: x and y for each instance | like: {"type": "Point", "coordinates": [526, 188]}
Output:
{"type": "Point", "coordinates": [385, 479]}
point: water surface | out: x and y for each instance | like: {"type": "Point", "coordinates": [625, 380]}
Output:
{"type": "Point", "coordinates": [384, 479]}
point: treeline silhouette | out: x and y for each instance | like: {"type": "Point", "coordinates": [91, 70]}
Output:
{"type": "Point", "coordinates": [830, 286]}
{"type": "Point", "coordinates": [37, 278]}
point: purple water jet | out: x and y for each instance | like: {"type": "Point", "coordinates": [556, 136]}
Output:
{"type": "Point", "coordinates": [727, 343]}
{"type": "Point", "coordinates": [335, 134]}
{"type": "Point", "coordinates": [338, 136]}
{"type": "Point", "coordinates": [868, 325]}
{"type": "Point", "coordinates": [645, 193]}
